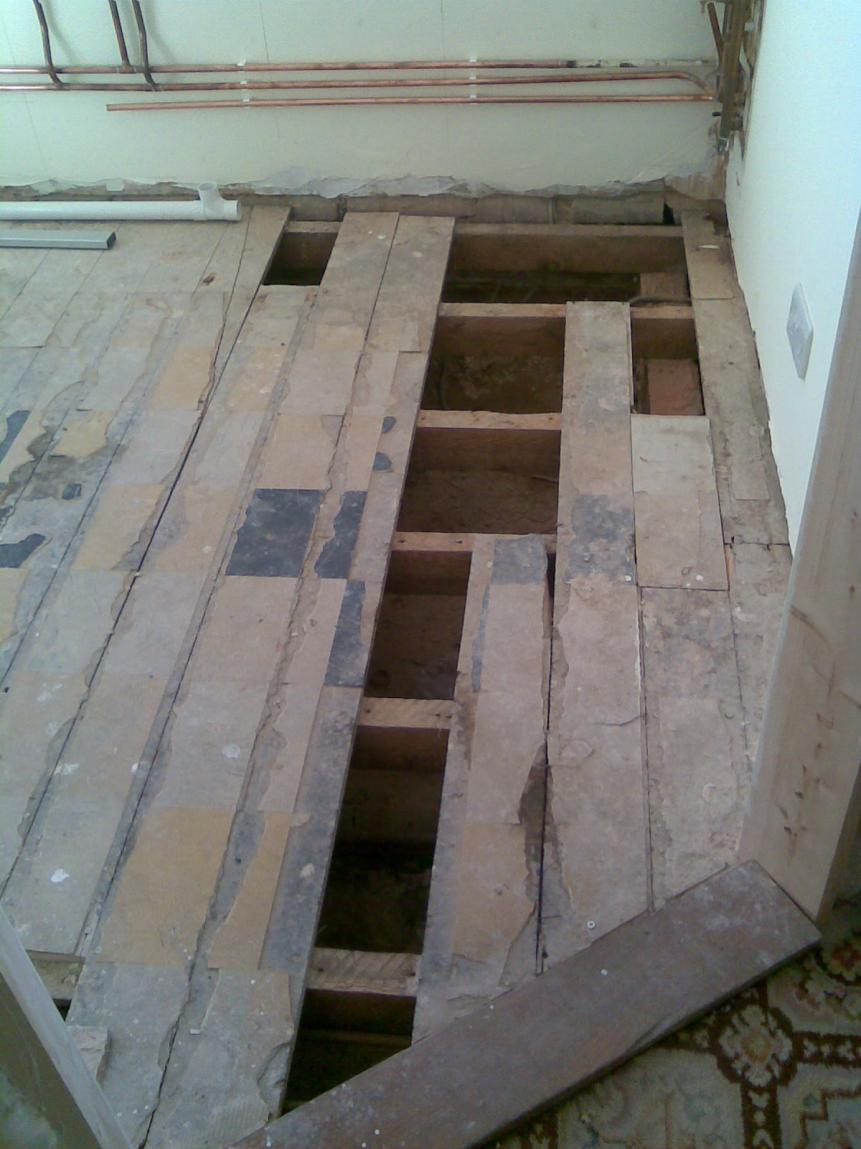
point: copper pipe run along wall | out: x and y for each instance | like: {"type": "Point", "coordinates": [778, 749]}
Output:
{"type": "Point", "coordinates": [339, 66]}
{"type": "Point", "coordinates": [367, 82]}
{"type": "Point", "coordinates": [366, 101]}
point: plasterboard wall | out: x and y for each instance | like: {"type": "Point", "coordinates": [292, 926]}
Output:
{"type": "Point", "coordinates": [793, 198]}
{"type": "Point", "coordinates": [70, 138]}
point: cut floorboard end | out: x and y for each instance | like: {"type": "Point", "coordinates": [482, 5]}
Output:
{"type": "Point", "coordinates": [469, 1082]}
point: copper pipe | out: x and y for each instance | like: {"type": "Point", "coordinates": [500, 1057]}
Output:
{"type": "Point", "coordinates": [317, 66]}
{"type": "Point", "coordinates": [347, 101]}
{"type": "Point", "coordinates": [144, 46]}
{"type": "Point", "coordinates": [716, 29]}
{"type": "Point", "coordinates": [121, 38]}
{"type": "Point", "coordinates": [731, 75]}
{"type": "Point", "coordinates": [366, 66]}
{"type": "Point", "coordinates": [46, 44]}
{"type": "Point", "coordinates": [375, 82]}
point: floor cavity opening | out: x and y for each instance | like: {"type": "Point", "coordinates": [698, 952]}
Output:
{"type": "Point", "coordinates": [488, 476]}
{"type": "Point", "coordinates": [302, 254]}
{"type": "Point", "coordinates": [360, 994]}
{"type": "Point", "coordinates": [341, 1035]}
{"type": "Point", "coordinates": [548, 263]}
{"type": "Point", "coordinates": [486, 361]}
{"type": "Point", "coordinates": [666, 363]}
{"type": "Point", "coordinates": [418, 633]}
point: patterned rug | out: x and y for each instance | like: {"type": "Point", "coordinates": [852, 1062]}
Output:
{"type": "Point", "coordinates": [778, 1067]}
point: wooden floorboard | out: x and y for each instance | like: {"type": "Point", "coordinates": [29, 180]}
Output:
{"type": "Point", "coordinates": [596, 855]}
{"type": "Point", "coordinates": [678, 524]}
{"type": "Point", "coordinates": [482, 930]}
{"type": "Point", "coordinates": [471, 1081]}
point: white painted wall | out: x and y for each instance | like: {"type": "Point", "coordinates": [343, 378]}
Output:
{"type": "Point", "coordinates": [793, 202]}
{"type": "Point", "coordinates": [70, 138]}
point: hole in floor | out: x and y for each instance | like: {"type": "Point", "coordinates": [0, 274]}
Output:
{"type": "Point", "coordinates": [394, 788]}
{"type": "Point", "coordinates": [374, 910]}
{"type": "Point", "coordinates": [496, 363]}
{"type": "Point", "coordinates": [492, 480]}
{"type": "Point", "coordinates": [376, 898]}
{"type": "Point", "coordinates": [537, 286]}
{"type": "Point", "coordinates": [666, 372]}
{"type": "Point", "coordinates": [301, 255]}
{"type": "Point", "coordinates": [417, 640]}
{"type": "Point", "coordinates": [546, 263]}
{"type": "Point", "coordinates": [341, 1035]}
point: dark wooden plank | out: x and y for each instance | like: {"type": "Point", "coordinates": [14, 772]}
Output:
{"type": "Point", "coordinates": [472, 1081]}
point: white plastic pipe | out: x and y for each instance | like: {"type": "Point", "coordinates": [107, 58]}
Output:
{"type": "Point", "coordinates": [210, 205]}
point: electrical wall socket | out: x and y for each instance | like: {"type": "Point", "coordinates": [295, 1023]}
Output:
{"type": "Point", "coordinates": [799, 328]}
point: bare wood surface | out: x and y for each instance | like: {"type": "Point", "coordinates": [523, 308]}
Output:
{"type": "Point", "coordinates": [485, 421]}
{"type": "Point", "coordinates": [673, 387]}
{"type": "Point", "coordinates": [758, 579]}
{"type": "Point", "coordinates": [596, 863]}
{"type": "Point", "coordinates": [678, 524]}
{"type": "Point", "coordinates": [425, 542]}
{"type": "Point", "coordinates": [698, 773]}
{"type": "Point", "coordinates": [806, 806]}
{"type": "Point", "coordinates": [482, 930]}
{"type": "Point", "coordinates": [359, 971]}
{"type": "Point", "coordinates": [709, 258]}
{"type": "Point", "coordinates": [470, 1082]}
{"type": "Point", "coordinates": [45, 1076]}
{"type": "Point", "coordinates": [663, 285]}
{"type": "Point", "coordinates": [748, 486]}
{"type": "Point", "coordinates": [406, 713]}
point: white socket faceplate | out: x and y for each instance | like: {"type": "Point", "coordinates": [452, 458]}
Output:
{"type": "Point", "coordinates": [799, 328]}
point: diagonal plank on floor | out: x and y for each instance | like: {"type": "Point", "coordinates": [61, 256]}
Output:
{"type": "Point", "coordinates": [471, 1081]}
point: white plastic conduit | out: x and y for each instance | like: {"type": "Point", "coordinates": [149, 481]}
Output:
{"type": "Point", "coordinates": [209, 206]}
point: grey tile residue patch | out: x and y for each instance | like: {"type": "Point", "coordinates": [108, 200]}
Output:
{"type": "Point", "coordinates": [519, 560]}
{"type": "Point", "coordinates": [14, 422]}
{"type": "Point", "coordinates": [349, 657]}
{"type": "Point", "coordinates": [388, 422]}
{"type": "Point", "coordinates": [382, 462]}
{"type": "Point", "coordinates": [478, 643]}
{"type": "Point", "coordinates": [72, 491]}
{"type": "Point", "coordinates": [337, 554]}
{"type": "Point", "coordinates": [14, 555]}
{"type": "Point", "coordinates": [273, 539]}
{"type": "Point", "coordinates": [603, 542]}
